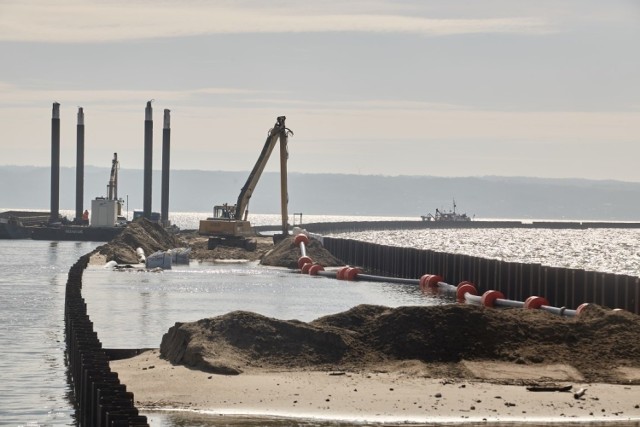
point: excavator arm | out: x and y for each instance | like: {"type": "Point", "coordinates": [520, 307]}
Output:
{"type": "Point", "coordinates": [276, 132]}
{"type": "Point", "coordinates": [230, 222]}
{"type": "Point", "coordinates": [112, 186]}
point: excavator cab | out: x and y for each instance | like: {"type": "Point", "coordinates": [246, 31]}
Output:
{"type": "Point", "coordinates": [225, 211]}
{"type": "Point", "coordinates": [224, 229]}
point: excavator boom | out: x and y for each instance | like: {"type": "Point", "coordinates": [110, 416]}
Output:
{"type": "Point", "coordinates": [112, 186]}
{"type": "Point", "coordinates": [247, 191]}
{"type": "Point", "coordinates": [230, 221]}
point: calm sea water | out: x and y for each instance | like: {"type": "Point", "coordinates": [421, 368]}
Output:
{"type": "Point", "coordinates": [33, 380]}
{"type": "Point", "coordinates": [612, 250]}
{"type": "Point", "coordinates": [135, 309]}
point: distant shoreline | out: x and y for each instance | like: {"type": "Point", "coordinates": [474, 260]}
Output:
{"type": "Point", "coordinates": [346, 195]}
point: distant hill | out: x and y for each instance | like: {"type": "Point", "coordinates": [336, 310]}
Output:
{"type": "Point", "coordinates": [484, 197]}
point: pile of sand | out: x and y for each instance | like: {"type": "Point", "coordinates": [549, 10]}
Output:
{"type": "Point", "coordinates": [368, 335]}
{"type": "Point", "coordinates": [201, 252]}
{"type": "Point", "coordinates": [141, 233]}
{"type": "Point", "coordinates": [151, 237]}
{"type": "Point", "coordinates": [286, 254]}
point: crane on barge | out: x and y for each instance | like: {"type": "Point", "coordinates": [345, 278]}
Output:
{"type": "Point", "coordinates": [107, 211]}
{"type": "Point", "coordinates": [229, 225]}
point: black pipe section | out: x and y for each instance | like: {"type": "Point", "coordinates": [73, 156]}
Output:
{"type": "Point", "coordinates": [55, 164]}
{"type": "Point", "coordinates": [166, 152]}
{"type": "Point", "coordinates": [148, 160]}
{"type": "Point", "coordinates": [79, 165]}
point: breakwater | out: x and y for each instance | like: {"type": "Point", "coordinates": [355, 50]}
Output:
{"type": "Point", "coordinates": [563, 287]}
{"type": "Point", "coordinates": [101, 399]}
{"type": "Point", "coordinates": [349, 226]}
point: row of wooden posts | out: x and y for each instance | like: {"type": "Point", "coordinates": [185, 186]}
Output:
{"type": "Point", "coordinates": [101, 399]}
{"type": "Point", "coordinates": [563, 287]}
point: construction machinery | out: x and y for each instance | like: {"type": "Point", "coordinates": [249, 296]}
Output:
{"type": "Point", "coordinates": [106, 217]}
{"type": "Point", "coordinates": [229, 225]}
{"type": "Point", "coordinates": [107, 211]}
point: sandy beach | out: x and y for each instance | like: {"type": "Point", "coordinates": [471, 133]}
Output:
{"type": "Point", "coordinates": [408, 391]}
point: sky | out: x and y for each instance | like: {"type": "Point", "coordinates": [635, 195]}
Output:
{"type": "Point", "coordinates": [536, 88]}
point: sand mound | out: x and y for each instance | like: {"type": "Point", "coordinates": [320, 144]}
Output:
{"type": "Point", "coordinates": [201, 252]}
{"type": "Point", "coordinates": [141, 233]}
{"type": "Point", "coordinates": [286, 254]}
{"type": "Point", "coordinates": [367, 335]}
{"type": "Point", "coordinates": [227, 343]}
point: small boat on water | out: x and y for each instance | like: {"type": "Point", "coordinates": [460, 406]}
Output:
{"type": "Point", "coordinates": [447, 216]}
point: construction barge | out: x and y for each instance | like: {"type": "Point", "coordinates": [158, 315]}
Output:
{"type": "Point", "coordinates": [105, 221]}
{"type": "Point", "coordinates": [78, 233]}
{"type": "Point", "coordinates": [19, 224]}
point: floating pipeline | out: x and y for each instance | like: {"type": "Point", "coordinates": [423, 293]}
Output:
{"type": "Point", "coordinates": [301, 240]}
{"type": "Point", "coordinates": [464, 292]}
{"type": "Point", "coordinates": [431, 284]}
{"type": "Point", "coordinates": [101, 399]}
{"type": "Point", "coordinates": [561, 286]}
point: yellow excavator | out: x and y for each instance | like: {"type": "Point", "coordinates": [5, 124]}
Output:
{"type": "Point", "coordinates": [229, 225]}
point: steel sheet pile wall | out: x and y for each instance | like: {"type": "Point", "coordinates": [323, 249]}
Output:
{"type": "Point", "coordinates": [101, 399]}
{"type": "Point", "coordinates": [563, 287]}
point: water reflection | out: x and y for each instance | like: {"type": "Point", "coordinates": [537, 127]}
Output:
{"type": "Point", "coordinates": [53, 253]}
{"type": "Point", "coordinates": [135, 309]}
{"type": "Point", "coordinates": [34, 390]}
{"type": "Point", "coordinates": [145, 304]}
{"type": "Point", "coordinates": [598, 249]}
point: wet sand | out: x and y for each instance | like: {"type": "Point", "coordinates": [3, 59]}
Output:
{"type": "Point", "coordinates": [400, 392]}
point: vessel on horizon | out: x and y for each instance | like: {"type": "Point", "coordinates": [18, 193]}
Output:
{"type": "Point", "coordinates": [447, 216]}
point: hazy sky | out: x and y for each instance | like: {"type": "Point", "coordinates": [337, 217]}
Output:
{"type": "Point", "coordinates": [411, 87]}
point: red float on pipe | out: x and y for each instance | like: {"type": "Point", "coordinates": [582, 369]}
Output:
{"type": "Point", "coordinates": [429, 282]}
{"type": "Point", "coordinates": [534, 302]}
{"type": "Point", "coordinates": [301, 238]}
{"type": "Point", "coordinates": [489, 298]}
{"type": "Point", "coordinates": [581, 308]}
{"type": "Point", "coordinates": [341, 272]}
{"type": "Point", "coordinates": [303, 260]}
{"type": "Point", "coordinates": [313, 270]}
{"type": "Point", "coordinates": [465, 288]}
{"type": "Point", "coordinates": [352, 273]}
{"type": "Point", "coordinates": [305, 268]}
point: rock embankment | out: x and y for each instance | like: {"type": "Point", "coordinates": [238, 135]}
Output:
{"type": "Point", "coordinates": [594, 343]}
